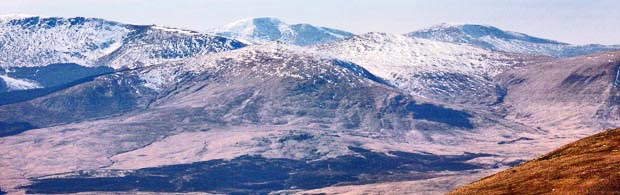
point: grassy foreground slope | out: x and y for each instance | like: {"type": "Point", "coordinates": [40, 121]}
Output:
{"type": "Point", "coordinates": [587, 166]}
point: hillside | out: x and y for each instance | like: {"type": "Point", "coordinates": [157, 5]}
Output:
{"type": "Point", "coordinates": [437, 70]}
{"type": "Point", "coordinates": [574, 95]}
{"type": "Point", "coordinates": [588, 166]}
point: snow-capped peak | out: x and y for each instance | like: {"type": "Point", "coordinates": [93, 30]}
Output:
{"type": "Point", "coordinates": [493, 38]}
{"type": "Point", "coordinates": [444, 25]}
{"type": "Point", "coordinates": [8, 17]}
{"type": "Point", "coordinates": [469, 31]}
{"type": "Point", "coordinates": [261, 29]}
{"type": "Point", "coordinates": [249, 24]}
{"type": "Point", "coordinates": [175, 30]}
{"type": "Point", "coordinates": [38, 41]}
{"type": "Point", "coordinates": [265, 29]}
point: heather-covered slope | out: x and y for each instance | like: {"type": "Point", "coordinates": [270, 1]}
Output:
{"type": "Point", "coordinates": [588, 166]}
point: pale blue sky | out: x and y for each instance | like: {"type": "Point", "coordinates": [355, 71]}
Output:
{"type": "Point", "coordinates": [572, 21]}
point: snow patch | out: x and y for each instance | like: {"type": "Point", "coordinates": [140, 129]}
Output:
{"type": "Point", "coordinates": [19, 84]}
{"type": "Point", "coordinates": [174, 30]}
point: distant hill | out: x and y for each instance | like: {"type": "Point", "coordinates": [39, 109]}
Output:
{"type": "Point", "coordinates": [588, 166]}
{"type": "Point", "coordinates": [257, 30]}
{"type": "Point", "coordinates": [493, 38]}
{"type": "Point", "coordinates": [29, 41]}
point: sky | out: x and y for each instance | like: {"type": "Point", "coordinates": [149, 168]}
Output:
{"type": "Point", "coordinates": [571, 21]}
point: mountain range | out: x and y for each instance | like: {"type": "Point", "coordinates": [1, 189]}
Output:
{"type": "Point", "coordinates": [260, 106]}
{"type": "Point", "coordinates": [40, 55]}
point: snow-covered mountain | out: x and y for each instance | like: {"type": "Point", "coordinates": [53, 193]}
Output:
{"type": "Point", "coordinates": [431, 69]}
{"type": "Point", "coordinates": [154, 45]}
{"type": "Point", "coordinates": [36, 41]}
{"type": "Point", "coordinates": [496, 39]}
{"type": "Point", "coordinates": [40, 55]}
{"type": "Point", "coordinates": [39, 41]}
{"type": "Point", "coordinates": [272, 29]}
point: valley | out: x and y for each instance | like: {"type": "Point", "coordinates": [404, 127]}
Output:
{"type": "Point", "coordinates": [153, 109]}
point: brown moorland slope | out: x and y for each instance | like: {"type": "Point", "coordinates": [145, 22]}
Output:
{"type": "Point", "coordinates": [587, 166]}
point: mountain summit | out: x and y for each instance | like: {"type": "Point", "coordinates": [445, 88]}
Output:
{"type": "Point", "coordinates": [493, 38]}
{"type": "Point", "coordinates": [273, 29]}
{"type": "Point", "coordinates": [29, 41]}
{"type": "Point", "coordinates": [476, 34]}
